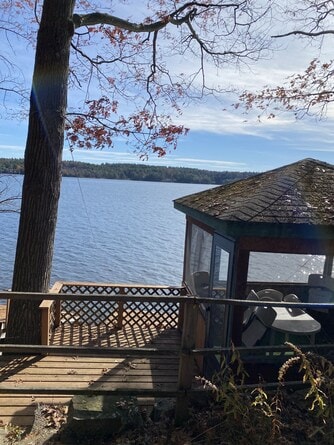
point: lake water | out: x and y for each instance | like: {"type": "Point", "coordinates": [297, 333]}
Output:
{"type": "Point", "coordinates": [128, 232]}
{"type": "Point", "coordinates": [110, 231]}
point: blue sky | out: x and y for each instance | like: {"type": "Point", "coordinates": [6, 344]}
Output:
{"type": "Point", "coordinates": [260, 150]}
{"type": "Point", "coordinates": [219, 138]}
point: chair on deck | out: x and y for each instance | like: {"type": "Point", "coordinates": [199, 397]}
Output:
{"type": "Point", "coordinates": [201, 283]}
{"type": "Point", "coordinates": [270, 295]}
{"type": "Point", "coordinates": [266, 315]}
{"type": "Point", "coordinates": [257, 319]}
{"type": "Point", "coordinates": [249, 312]}
{"type": "Point", "coordinates": [321, 290]}
{"type": "Point", "coordinates": [293, 311]}
{"type": "Point", "coordinates": [254, 329]}
{"type": "Point", "coordinates": [253, 333]}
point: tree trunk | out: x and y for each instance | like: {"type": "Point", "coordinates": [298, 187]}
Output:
{"type": "Point", "coordinates": [42, 179]}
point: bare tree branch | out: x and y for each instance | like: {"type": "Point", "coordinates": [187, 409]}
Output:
{"type": "Point", "coordinates": [9, 203]}
{"type": "Point", "coordinates": [307, 93]}
{"type": "Point", "coordinates": [303, 33]}
{"type": "Point", "coordinates": [98, 18]}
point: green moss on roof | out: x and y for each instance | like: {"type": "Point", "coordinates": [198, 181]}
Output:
{"type": "Point", "coordinates": [299, 193]}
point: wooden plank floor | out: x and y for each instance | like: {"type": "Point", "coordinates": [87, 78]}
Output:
{"type": "Point", "coordinates": [93, 372]}
{"type": "Point", "coordinates": [128, 336]}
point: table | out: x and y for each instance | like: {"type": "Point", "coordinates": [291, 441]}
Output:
{"type": "Point", "coordinates": [295, 321]}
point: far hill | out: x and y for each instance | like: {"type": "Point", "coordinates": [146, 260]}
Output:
{"type": "Point", "coordinates": [135, 172]}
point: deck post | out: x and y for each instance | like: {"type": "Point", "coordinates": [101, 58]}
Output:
{"type": "Point", "coordinates": [57, 314]}
{"type": "Point", "coordinates": [56, 288]}
{"type": "Point", "coordinates": [45, 322]}
{"type": "Point", "coordinates": [180, 321]}
{"type": "Point", "coordinates": [186, 367]}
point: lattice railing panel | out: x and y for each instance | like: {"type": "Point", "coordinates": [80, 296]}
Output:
{"type": "Point", "coordinates": [161, 315]}
{"type": "Point", "coordinates": [79, 288]}
{"type": "Point", "coordinates": [111, 314]}
{"type": "Point", "coordinates": [88, 312]}
{"type": "Point", "coordinates": [153, 291]}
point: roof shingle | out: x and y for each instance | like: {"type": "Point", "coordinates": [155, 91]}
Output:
{"type": "Point", "coordinates": [299, 193]}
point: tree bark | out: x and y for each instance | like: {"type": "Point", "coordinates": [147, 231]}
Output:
{"type": "Point", "coordinates": [42, 180]}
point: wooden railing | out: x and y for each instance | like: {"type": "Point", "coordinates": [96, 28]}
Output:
{"type": "Point", "coordinates": [109, 312]}
{"type": "Point", "coordinates": [187, 351]}
{"type": "Point", "coordinates": [152, 299]}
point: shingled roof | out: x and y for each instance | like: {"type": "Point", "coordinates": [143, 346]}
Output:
{"type": "Point", "coordinates": [299, 193]}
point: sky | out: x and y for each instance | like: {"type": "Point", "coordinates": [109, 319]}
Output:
{"type": "Point", "coordinates": [220, 138]}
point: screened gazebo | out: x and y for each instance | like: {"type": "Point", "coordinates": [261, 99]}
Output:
{"type": "Point", "coordinates": [272, 231]}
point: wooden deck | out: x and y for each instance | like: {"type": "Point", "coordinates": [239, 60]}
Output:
{"type": "Point", "coordinates": [94, 372]}
{"type": "Point", "coordinates": [103, 336]}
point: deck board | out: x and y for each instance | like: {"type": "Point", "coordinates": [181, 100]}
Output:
{"type": "Point", "coordinates": [36, 373]}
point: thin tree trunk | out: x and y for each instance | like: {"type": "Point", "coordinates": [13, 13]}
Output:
{"type": "Point", "coordinates": [41, 185]}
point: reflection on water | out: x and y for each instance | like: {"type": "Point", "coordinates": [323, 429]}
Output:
{"type": "Point", "coordinates": [282, 267]}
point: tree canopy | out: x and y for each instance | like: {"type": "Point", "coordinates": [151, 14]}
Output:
{"type": "Point", "coordinates": [134, 67]}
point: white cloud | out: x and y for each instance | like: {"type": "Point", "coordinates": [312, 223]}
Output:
{"type": "Point", "coordinates": [11, 147]}
{"type": "Point", "coordinates": [214, 120]}
{"type": "Point", "coordinates": [172, 160]}
{"type": "Point", "coordinates": [214, 162]}
{"type": "Point", "coordinates": [11, 151]}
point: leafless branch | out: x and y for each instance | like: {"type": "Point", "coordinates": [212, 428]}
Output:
{"type": "Point", "coordinates": [98, 18]}
{"type": "Point", "coordinates": [8, 203]}
{"type": "Point", "coordinates": [304, 33]}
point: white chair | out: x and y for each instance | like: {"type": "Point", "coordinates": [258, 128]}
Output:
{"type": "Point", "coordinates": [201, 283]}
{"type": "Point", "coordinates": [253, 333]}
{"type": "Point", "coordinates": [266, 315]}
{"type": "Point", "coordinates": [293, 311]}
{"type": "Point", "coordinates": [249, 312]}
{"type": "Point", "coordinates": [321, 290]}
{"type": "Point", "coordinates": [272, 294]}
{"type": "Point", "coordinates": [261, 318]}
{"type": "Point", "coordinates": [254, 329]}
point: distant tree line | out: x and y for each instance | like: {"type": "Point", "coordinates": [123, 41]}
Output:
{"type": "Point", "coordinates": [135, 172]}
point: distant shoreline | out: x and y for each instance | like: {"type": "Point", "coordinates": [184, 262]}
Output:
{"type": "Point", "coordinates": [134, 172]}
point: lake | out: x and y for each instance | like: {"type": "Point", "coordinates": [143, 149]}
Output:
{"type": "Point", "coordinates": [110, 231]}
{"type": "Point", "coordinates": [129, 232]}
